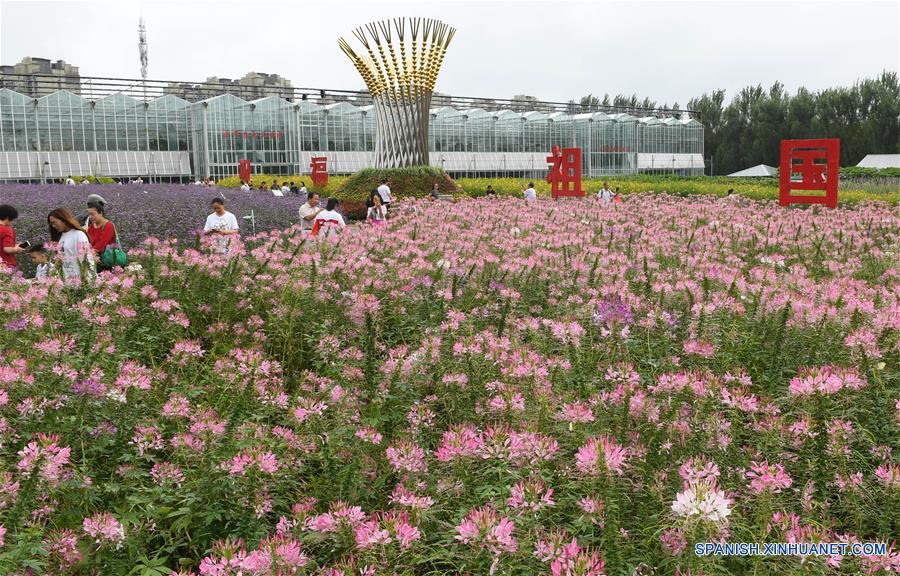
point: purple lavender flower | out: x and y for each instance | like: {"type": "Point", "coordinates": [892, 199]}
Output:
{"type": "Point", "coordinates": [17, 325]}
{"type": "Point", "coordinates": [613, 310]}
{"type": "Point", "coordinates": [89, 387]}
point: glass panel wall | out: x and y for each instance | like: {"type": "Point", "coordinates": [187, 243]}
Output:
{"type": "Point", "coordinates": [273, 133]}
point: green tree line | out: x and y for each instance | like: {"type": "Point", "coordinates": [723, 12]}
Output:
{"type": "Point", "coordinates": [748, 130]}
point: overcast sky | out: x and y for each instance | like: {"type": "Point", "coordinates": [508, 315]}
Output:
{"type": "Point", "coordinates": [553, 50]}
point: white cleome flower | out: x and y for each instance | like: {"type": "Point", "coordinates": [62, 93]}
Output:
{"type": "Point", "coordinates": [703, 502]}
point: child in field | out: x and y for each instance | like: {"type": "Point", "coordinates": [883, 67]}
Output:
{"type": "Point", "coordinates": [41, 258]}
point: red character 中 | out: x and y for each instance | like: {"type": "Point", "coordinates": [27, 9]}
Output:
{"type": "Point", "coordinates": [565, 172]}
{"type": "Point", "coordinates": [244, 170]}
{"type": "Point", "coordinates": [818, 163]}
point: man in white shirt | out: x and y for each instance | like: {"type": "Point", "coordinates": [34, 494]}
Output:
{"type": "Point", "coordinates": [530, 193]}
{"type": "Point", "coordinates": [385, 192]}
{"type": "Point", "coordinates": [605, 194]}
{"type": "Point", "coordinates": [70, 181]}
{"type": "Point", "coordinates": [245, 187]}
{"type": "Point", "coordinates": [221, 223]}
{"type": "Point", "coordinates": [285, 189]}
{"type": "Point", "coordinates": [309, 211]}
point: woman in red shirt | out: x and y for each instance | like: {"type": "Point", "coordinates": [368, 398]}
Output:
{"type": "Point", "coordinates": [8, 247]}
{"type": "Point", "coordinates": [101, 232]}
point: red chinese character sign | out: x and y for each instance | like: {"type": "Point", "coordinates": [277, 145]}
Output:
{"type": "Point", "coordinates": [818, 163]}
{"type": "Point", "coordinates": [319, 171]}
{"type": "Point", "coordinates": [565, 172]}
{"type": "Point", "coordinates": [244, 170]}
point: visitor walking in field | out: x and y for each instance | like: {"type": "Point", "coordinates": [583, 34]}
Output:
{"type": "Point", "coordinates": [74, 245]}
{"type": "Point", "coordinates": [530, 193]}
{"type": "Point", "coordinates": [221, 223]}
{"type": "Point", "coordinates": [490, 191]}
{"type": "Point", "coordinates": [385, 192]}
{"type": "Point", "coordinates": [92, 200]}
{"type": "Point", "coordinates": [8, 246]}
{"type": "Point", "coordinates": [309, 211]}
{"type": "Point", "coordinates": [328, 222]}
{"type": "Point", "coordinates": [605, 194]}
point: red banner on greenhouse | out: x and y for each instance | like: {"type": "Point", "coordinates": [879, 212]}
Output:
{"type": "Point", "coordinates": [565, 172]}
{"type": "Point", "coordinates": [319, 166]}
{"type": "Point", "coordinates": [818, 164]}
{"type": "Point", "coordinates": [244, 170]}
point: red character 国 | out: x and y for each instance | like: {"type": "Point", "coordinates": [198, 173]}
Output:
{"type": "Point", "coordinates": [565, 172]}
{"type": "Point", "coordinates": [319, 170]}
{"type": "Point", "coordinates": [818, 163]}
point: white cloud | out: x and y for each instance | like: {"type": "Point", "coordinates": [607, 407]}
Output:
{"type": "Point", "coordinates": [554, 50]}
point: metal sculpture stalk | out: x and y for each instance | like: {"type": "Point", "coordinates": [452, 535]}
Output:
{"type": "Point", "coordinates": [400, 67]}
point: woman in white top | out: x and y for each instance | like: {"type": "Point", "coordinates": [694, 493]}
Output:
{"type": "Point", "coordinates": [376, 214]}
{"type": "Point", "coordinates": [74, 245]}
{"type": "Point", "coordinates": [221, 223]}
{"type": "Point", "coordinates": [329, 220]}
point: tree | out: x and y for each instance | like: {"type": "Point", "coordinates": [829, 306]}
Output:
{"type": "Point", "coordinates": [749, 129]}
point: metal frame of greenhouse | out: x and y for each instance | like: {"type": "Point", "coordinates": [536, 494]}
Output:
{"type": "Point", "coordinates": [128, 128]}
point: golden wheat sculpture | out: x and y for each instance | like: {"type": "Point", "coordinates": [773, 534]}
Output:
{"type": "Point", "coordinates": [400, 65]}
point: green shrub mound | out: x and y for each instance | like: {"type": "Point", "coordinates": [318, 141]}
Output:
{"type": "Point", "coordinates": [415, 181]}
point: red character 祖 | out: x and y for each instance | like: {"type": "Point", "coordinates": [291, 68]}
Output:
{"type": "Point", "coordinates": [565, 172]}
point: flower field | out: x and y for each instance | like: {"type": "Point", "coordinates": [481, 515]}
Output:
{"type": "Point", "coordinates": [480, 387]}
{"type": "Point", "coordinates": [140, 211]}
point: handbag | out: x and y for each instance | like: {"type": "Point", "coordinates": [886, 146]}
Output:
{"type": "Point", "coordinates": [112, 257]}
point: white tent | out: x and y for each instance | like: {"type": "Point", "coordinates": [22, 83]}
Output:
{"type": "Point", "coordinates": [756, 171]}
{"type": "Point", "coordinates": [880, 161]}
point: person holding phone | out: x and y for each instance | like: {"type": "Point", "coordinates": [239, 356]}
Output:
{"type": "Point", "coordinates": [8, 246]}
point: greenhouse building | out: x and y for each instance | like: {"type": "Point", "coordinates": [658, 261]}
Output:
{"type": "Point", "coordinates": [168, 138]}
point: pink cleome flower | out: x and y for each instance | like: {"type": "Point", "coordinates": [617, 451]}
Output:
{"type": "Point", "coordinates": [768, 477]}
{"type": "Point", "coordinates": [484, 528]}
{"type": "Point", "coordinates": [601, 455]}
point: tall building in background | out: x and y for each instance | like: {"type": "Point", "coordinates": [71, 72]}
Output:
{"type": "Point", "coordinates": [252, 86]}
{"type": "Point", "coordinates": [523, 102]}
{"type": "Point", "coordinates": [37, 77]}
